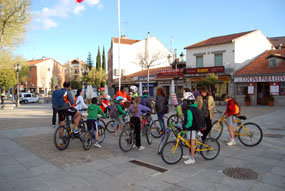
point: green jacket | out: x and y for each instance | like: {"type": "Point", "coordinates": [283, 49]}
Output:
{"type": "Point", "coordinates": [93, 111]}
{"type": "Point", "coordinates": [190, 116]}
{"type": "Point", "coordinates": [120, 109]}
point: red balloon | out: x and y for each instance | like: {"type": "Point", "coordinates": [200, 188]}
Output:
{"type": "Point", "coordinates": [78, 1]}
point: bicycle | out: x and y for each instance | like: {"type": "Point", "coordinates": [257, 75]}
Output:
{"type": "Point", "coordinates": [172, 151]}
{"type": "Point", "coordinates": [110, 126]}
{"type": "Point", "coordinates": [127, 136]}
{"type": "Point", "coordinates": [249, 134]}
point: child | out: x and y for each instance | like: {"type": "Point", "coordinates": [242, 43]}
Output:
{"type": "Point", "coordinates": [93, 111]}
{"type": "Point", "coordinates": [136, 110]}
{"type": "Point", "coordinates": [119, 119]}
{"type": "Point", "coordinates": [190, 126]}
{"type": "Point", "coordinates": [229, 116]}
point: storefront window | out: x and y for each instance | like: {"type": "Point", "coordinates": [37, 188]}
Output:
{"type": "Point", "coordinates": [282, 88]}
{"type": "Point", "coordinates": [241, 88]}
{"type": "Point", "coordinates": [221, 88]}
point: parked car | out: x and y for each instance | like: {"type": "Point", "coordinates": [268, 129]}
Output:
{"type": "Point", "coordinates": [28, 98]}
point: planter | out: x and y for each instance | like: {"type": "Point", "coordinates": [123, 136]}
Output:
{"type": "Point", "coordinates": [247, 103]}
{"type": "Point", "coordinates": [271, 103]}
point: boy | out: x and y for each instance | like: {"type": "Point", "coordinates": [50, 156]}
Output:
{"type": "Point", "coordinates": [119, 119]}
{"type": "Point", "coordinates": [93, 111]}
{"type": "Point", "coordinates": [190, 125]}
{"type": "Point", "coordinates": [230, 111]}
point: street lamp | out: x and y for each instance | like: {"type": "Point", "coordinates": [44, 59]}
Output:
{"type": "Point", "coordinates": [17, 69]}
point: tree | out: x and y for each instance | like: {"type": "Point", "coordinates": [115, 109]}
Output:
{"type": "Point", "coordinates": [210, 82]}
{"type": "Point", "coordinates": [104, 59]}
{"type": "Point", "coordinates": [96, 77]}
{"type": "Point", "coordinates": [89, 61]}
{"type": "Point", "coordinates": [147, 63]}
{"type": "Point", "coordinates": [7, 78]}
{"type": "Point", "coordinates": [14, 17]}
{"type": "Point", "coordinates": [75, 84]}
{"type": "Point", "coordinates": [54, 82]}
{"type": "Point", "coordinates": [98, 60]}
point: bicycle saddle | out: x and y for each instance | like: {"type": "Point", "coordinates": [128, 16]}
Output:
{"type": "Point", "coordinates": [242, 117]}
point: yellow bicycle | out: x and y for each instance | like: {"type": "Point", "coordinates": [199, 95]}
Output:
{"type": "Point", "coordinates": [172, 151]}
{"type": "Point", "coordinates": [249, 134]}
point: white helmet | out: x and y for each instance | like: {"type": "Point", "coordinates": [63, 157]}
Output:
{"type": "Point", "coordinates": [189, 96]}
{"type": "Point", "coordinates": [134, 88]}
{"type": "Point", "coordinates": [108, 97]}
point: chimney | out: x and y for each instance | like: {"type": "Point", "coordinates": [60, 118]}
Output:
{"type": "Point", "coordinates": [280, 46]}
{"type": "Point", "coordinates": [123, 37]}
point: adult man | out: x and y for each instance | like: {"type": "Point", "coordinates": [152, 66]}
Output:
{"type": "Point", "coordinates": [124, 94]}
{"type": "Point", "coordinates": [66, 109]}
{"type": "Point", "coordinates": [54, 109]}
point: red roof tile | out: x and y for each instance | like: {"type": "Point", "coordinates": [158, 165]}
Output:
{"type": "Point", "coordinates": [217, 40]}
{"type": "Point", "coordinates": [125, 41]}
{"type": "Point", "coordinates": [277, 41]}
{"type": "Point", "coordinates": [260, 65]}
{"type": "Point", "coordinates": [34, 62]}
{"type": "Point", "coordinates": [152, 72]}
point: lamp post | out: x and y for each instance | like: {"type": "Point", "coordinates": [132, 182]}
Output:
{"type": "Point", "coordinates": [17, 69]}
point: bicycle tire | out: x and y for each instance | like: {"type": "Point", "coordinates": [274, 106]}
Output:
{"type": "Point", "coordinates": [155, 129]}
{"type": "Point", "coordinates": [101, 133]}
{"type": "Point", "coordinates": [65, 138]}
{"type": "Point", "coordinates": [102, 123]}
{"type": "Point", "coordinates": [253, 130]}
{"type": "Point", "coordinates": [163, 141]}
{"type": "Point", "coordinates": [166, 153]}
{"type": "Point", "coordinates": [126, 139]}
{"type": "Point", "coordinates": [210, 154]}
{"type": "Point", "coordinates": [172, 119]}
{"type": "Point", "coordinates": [87, 141]}
{"type": "Point", "coordinates": [110, 127]}
{"type": "Point", "coordinates": [216, 130]}
{"type": "Point", "coordinates": [148, 134]}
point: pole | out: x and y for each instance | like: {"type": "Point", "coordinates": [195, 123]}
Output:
{"type": "Point", "coordinates": [147, 60]}
{"type": "Point", "coordinates": [119, 64]}
{"type": "Point", "coordinates": [18, 89]}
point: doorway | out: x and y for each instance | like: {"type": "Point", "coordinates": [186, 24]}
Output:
{"type": "Point", "coordinates": [263, 93]}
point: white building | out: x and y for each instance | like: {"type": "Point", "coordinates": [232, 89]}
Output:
{"type": "Point", "coordinates": [130, 52]}
{"type": "Point", "coordinates": [224, 54]}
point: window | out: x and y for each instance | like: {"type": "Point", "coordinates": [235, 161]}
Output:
{"type": "Point", "coordinates": [218, 59]}
{"type": "Point", "coordinates": [199, 61]}
{"type": "Point", "coordinates": [282, 88]}
{"type": "Point", "coordinates": [241, 88]}
{"type": "Point", "coordinates": [31, 76]}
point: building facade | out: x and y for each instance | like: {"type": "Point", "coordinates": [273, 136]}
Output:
{"type": "Point", "coordinates": [75, 69]}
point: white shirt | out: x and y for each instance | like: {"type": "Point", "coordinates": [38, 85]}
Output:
{"type": "Point", "coordinates": [79, 105]}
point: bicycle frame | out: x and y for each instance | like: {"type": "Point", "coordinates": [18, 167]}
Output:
{"type": "Point", "coordinates": [239, 124]}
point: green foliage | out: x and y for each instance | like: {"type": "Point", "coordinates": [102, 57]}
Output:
{"type": "Point", "coordinates": [54, 82]}
{"type": "Point", "coordinates": [104, 59]}
{"type": "Point", "coordinates": [15, 16]}
{"type": "Point", "coordinates": [7, 78]}
{"type": "Point", "coordinates": [210, 82]}
{"type": "Point", "coordinates": [75, 84]}
{"type": "Point", "coordinates": [96, 77]}
{"type": "Point", "coordinates": [98, 60]}
{"type": "Point", "coordinates": [89, 61]}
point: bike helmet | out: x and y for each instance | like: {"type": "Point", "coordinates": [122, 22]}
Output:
{"type": "Point", "coordinates": [108, 97]}
{"type": "Point", "coordinates": [189, 96]}
{"type": "Point", "coordinates": [134, 88]}
{"type": "Point", "coordinates": [119, 98]}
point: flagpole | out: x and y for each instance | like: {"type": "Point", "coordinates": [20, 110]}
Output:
{"type": "Point", "coordinates": [119, 45]}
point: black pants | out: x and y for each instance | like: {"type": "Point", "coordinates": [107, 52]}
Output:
{"type": "Point", "coordinates": [54, 115]}
{"type": "Point", "coordinates": [2, 100]}
{"type": "Point", "coordinates": [137, 122]}
{"type": "Point", "coordinates": [208, 123]}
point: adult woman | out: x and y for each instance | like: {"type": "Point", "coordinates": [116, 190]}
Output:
{"type": "Point", "coordinates": [206, 103]}
{"type": "Point", "coordinates": [79, 103]}
{"type": "Point", "coordinates": [160, 105]}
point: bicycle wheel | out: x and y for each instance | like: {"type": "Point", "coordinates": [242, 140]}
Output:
{"type": "Point", "coordinates": [217, 129]}
{"type": "Point", "coordinates": [169, 154]}
{"type": "Point", "coordinates": [61, 138]}
{"type": "Point", "coordinates": [155, 129]}
{"type": "Point", "coordinates": [172, 119]}
{"type": "Point", "coordinates": [111, 126]}
{"type": "Point", "coordinates": [126, 139]}
{"type": "Point", "coordinates": [87, 141]}
{"type": "Point", "coordinates": [210, 149]}
{"type": "Point", "coordinates": [102, 123]}
{"type": "Point", "coordinates": [101, 133]}
{"type": "Point", "coordinates": [163, 141]}
{"type": "Point", "coordinates": [250, 134]}
{"type": "Point", "coordinates": [148, 134]}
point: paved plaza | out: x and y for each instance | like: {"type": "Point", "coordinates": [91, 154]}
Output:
{"type": "Point", "coordinates": [30, 161]}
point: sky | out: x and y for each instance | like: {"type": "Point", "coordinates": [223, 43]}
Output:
{"type": "Point", "coordinates": [65, 30]}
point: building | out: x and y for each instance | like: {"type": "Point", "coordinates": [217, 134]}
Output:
{"type": "Point", "coordinates": [223, 55]}
{"type": "Point", "coordinates": [262, 77]}
{"type": "Point", "coordinates": [41, 72]}
{"type": "Point", "coordinates": [132, 52]}
{"type": "Point", "coordinates": [278, 42]}
{"type": "Point", "coordinates": [75, 69]}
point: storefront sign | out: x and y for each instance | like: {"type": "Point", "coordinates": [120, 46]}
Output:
{"type": "Point", "coordinates": [170, 72]}
{"type": "Point", "coordinates": [216, 69]}
{"type": "Point", "coordinates": [250, 89]}
{"type": "Point", "coordinates": [274, 88]}
{"type": "Point", "coordinates": [280, 78]}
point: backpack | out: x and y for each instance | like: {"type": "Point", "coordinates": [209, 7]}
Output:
{"type": "Point", "coordinates": [237, 108]}
{"type": "Point", "coordinates": [58, 98]}
{"type": "Point", "coordinates": [114, 112]}
{"type": "Point", "coordinates": [198, 118]}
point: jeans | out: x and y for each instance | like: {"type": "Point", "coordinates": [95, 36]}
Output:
{"type": "Point", "coordinates": [208, 123]}
{"type": "Point", "coordinates": [54, 115]}
{"type": "Point", "coordinates": [161, 121]}
{"type": "Point", "coordinates": [137, 122]}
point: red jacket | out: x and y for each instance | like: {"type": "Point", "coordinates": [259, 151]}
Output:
{"type": "Point", "coordinates": [230, 107]}
{"type": "Point", "coordinates": [124, 95]}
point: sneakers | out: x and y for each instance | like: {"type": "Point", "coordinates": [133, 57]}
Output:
{"type": "Point", "coordinates": [97, 145]}
{"type": "Point", "coordinates": [141, 148]}
{"type": "Point", "coordinates": [231, 143]}
{"type": "Point", "coordinates": [75, 131]}
{"type": "Point", "coordinates": [190, 161]}
{"type": "Point", "coordinates": [186, 157]}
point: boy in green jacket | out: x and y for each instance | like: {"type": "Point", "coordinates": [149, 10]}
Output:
{"type": "Point", "coordinates": [121, 112]}
{"type": "Point", "coordinates": [93, 111]}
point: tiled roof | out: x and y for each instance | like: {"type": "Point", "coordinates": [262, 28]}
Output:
{"type": "Point", "coordinates": [276, 41]}
{"type": "Point", "coordinates": [217, 40]}
{"type": "Point", "coordinates": [142, 73]}
{"type": "Point", "coordinates": [260, 64]}
{"type": "Point", "coordinates": [34, 62]}
{"type": "Point", "coordinates": [125, 41]}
